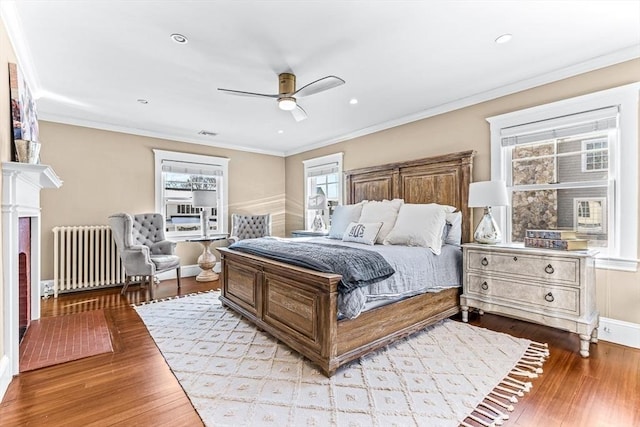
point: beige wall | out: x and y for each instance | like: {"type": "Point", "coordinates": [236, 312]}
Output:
{"type": "Point", "coordinates": [106, 172]}
{"type": "Point", "coordinates": [618, 292]}
{"type": "Point", "coordinates": [7, 55]}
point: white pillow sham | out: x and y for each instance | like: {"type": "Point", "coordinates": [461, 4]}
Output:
{"type": "Point", "coordinates": [419, 225]}
{"type": "Point", "coordinates": [454, 228]}
{"type": "Point", "coordinates": [385, 211]}
{"type": "Point", "coordinates": [342, 216]}
{"type": "Point", "coordinates": [362, 232]}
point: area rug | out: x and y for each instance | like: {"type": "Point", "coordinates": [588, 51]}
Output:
{"type": "Point", "coordinates": [54, 340]}
{"type": "Point", "coordinates": [449, 374]}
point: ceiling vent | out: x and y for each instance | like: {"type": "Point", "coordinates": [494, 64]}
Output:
{"type": "Point", "coordinates": [207, 133]}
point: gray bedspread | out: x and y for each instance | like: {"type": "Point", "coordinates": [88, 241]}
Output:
{"type": "Point", "coordinates": [358, 267]}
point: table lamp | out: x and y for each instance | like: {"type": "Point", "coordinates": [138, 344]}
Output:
{"type": "Point", "coordinates": [317, 202]}
{"type": "Point", "coordinates": [486, 194]}
{"type": "Point", "coordinates": [205, 199]}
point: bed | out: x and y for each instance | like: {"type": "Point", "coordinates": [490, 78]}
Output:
{"type": "Point", "coordinates": [298, 306]}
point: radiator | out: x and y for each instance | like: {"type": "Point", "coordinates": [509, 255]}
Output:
{"type": "Point", "coordinates": [85, 257]}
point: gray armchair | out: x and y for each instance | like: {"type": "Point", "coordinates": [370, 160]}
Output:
{"type": "Point", "coordinates": [249, 227]}
{"type": "Point", "coordinates": [143, 248]}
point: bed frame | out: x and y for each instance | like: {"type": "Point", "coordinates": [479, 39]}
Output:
{"type": "Point", "coordinates": [298, 306]}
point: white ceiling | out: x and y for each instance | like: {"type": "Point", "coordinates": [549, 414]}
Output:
{"type": "Point", "coordinates": [88, 62]}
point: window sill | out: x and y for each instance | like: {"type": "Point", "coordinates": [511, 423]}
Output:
{"type": "Point", "coordinates": [605, 263]}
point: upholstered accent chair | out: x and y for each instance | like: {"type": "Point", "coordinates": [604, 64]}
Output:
{"type": "Point", "coordinates": [143, 248]}
{"type": "Point", "coordinates": [249, 227]}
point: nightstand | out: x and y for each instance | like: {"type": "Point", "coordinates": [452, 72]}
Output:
{"type": "Point", "coordinates": [551, 287]}
{"type": "Point", "coordinates": [308, 233]}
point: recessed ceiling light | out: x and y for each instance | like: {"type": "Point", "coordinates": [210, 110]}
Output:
{"type": "Point", "coordinates": [505, 38]}
{"type": "Point", "coordinates": [143, 101]}
{"type": "Point", "coordinates": [280, 131]}
{"type": "Point", "coordinates": [179, 38]}
{"type": "Point", "coordinates": [353, 101]}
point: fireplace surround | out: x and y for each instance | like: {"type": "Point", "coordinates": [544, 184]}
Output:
{"type": "Point", "coordinates": [21, 186]}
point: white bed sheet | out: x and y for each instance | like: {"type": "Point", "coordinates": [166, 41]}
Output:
{"type": "Point", "coordinates": [418, 270]}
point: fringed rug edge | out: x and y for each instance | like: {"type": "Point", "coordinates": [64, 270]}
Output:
{"type": "Point", "coordinates": [494, 408]}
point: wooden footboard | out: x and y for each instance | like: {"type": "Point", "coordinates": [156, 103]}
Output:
{"type": "Point", "coordinates": [299, 307]}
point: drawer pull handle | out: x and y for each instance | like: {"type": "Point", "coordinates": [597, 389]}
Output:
{"type": "Point", "coordinates": [515, 258]}
{"type": "Point", "coordinates": [484, 261]}
{"type": "Point", "coordinates": [549, 297]}
{"type": "Point", "coordinates": [484, 286]}
{"type": "Point", "coordinates": [549, 269]}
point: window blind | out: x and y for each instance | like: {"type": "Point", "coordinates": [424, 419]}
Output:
{"type": "Point", "coordinates": [324, 169]}
{"type": "Point", "coordinates": [561, 127]}
{"type": "Point", "coordinates": [191, 168]}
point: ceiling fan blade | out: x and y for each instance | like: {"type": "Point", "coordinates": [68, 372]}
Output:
{"type": "Point", "coordinates": [252, 94]}
{"type": "Point", "coordinates": [298, 113]}
{"type": "Point", "coordinates": [325, 83]}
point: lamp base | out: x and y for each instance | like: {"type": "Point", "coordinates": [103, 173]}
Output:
{"type": "Point", "coordinates": [204, 222]}
{"type": "Point", "coordinates": [318, 223]}
{"type": "Point", "coordinates": [487, 231]}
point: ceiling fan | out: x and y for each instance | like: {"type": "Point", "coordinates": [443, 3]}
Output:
{"type": "Point", "coordinates": [287, 92]}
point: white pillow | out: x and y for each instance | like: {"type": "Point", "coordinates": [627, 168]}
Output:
{"type": "Point", "coordinates": [385, 211]}
{"type": "Point", "coordinates": [362, 232]}
{"type": "Point", "coordinates": [454, 228]}
{"type": "Point", "coordinates": [342, 216]}
{"type": "Point", "coordinates": [419, 225]}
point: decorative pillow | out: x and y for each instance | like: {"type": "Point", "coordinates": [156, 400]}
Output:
{"type": "Point", "coordinates": [342, 216]}
{"type": "Point", "coordinates": [362, 232]}
{"type": "Point", "coordinates": [419, 225]}
{"type": "Point", "coordinates": [454, 228]}
{"type": "Point", "coordinates": [385, 211]}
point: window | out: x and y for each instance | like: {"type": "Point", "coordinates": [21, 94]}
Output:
{"type": "Point", "coordinates": [322, 180]}
{"type": "Point", "coordinates": [177, 175]}
{"type": "Point", "coordinates": [572, 164]}
{"type": "Point", "coordinates": [590, 216]}
{"type": "Point", "coordinates": [596, 155]}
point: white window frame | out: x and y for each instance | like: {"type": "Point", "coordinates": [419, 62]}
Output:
{"type": "Point", "coordinates": [603, 222]}
{"type": "Point", "coordinates": [586, 151]}
{"type": "Point", "coordinates": [623, 253]}
{"type": "Point", "coordinates": [175, 156]}
{"type": "Point", "coordinates": [315, 163]}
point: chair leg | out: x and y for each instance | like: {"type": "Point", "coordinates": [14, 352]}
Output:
{"type": "Point", "coordinates": [178, 276]}
{"type": "Point", "coordinates": [127, 280]}
{"type": "Point", "coordinates": [151, 285]}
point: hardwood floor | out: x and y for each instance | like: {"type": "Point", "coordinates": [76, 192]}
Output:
{"type": "Point", "coordinates": [133, 386]}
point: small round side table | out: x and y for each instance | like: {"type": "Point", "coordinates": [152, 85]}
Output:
{"type": "Point", "coordinates": [207, 260]}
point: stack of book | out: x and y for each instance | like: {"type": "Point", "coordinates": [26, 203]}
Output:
{"type": "Point", "coordinates": [554, 239]}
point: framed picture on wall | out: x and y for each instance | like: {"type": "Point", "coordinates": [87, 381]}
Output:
{"type": "Point", "coordinates": [24, 117]}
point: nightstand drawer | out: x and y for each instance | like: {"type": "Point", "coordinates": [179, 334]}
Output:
{"type": "Point", "coordinates": [556, 269]}
{"type": "Point", "coordinates": [555, 298]}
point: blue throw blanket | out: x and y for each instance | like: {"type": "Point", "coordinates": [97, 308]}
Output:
{"type": "Point", "coordinates": [358, 267]}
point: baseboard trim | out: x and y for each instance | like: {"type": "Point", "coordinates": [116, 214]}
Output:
{"type": "Point", "coordinates": [5, 375]}
{"type": "Point", "coordinates": [619, 332]}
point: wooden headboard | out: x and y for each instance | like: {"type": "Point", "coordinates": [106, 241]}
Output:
{"type": "Point", "coordinates": [441, 179]}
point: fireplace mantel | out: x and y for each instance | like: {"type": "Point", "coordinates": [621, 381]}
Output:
{"type": "Point", "coordinates": [21, 186]}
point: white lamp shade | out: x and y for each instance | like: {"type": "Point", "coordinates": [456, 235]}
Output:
{"type": "Point", "coordinates": [204, 199]}
{"type": "Point", "coordinates": [488, 193]}
{"type": "Point", "coordinates": [317, 201]}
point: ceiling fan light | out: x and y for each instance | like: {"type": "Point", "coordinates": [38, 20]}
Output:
{"type": "Point", "coordinates": [287, 103]}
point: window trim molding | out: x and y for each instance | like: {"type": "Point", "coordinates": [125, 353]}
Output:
{"type": "Point", "coordinates": [222, 162]}
{"type": "Point", "coordinates": [319, 161]}
{"type": "Point", "coordinates": [624, 160]}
